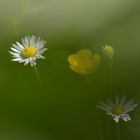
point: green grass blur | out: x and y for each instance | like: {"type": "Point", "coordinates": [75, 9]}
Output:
{"type": "Point", "coordinates": [66, 108]}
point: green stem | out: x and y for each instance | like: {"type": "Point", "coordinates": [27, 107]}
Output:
{"type": "Point", "coordinates": [14, 24]}
{"type": "Point", "coordinates": [37, 76]}
{"type": "Point", "coordinates": [118, 132]}
{"type": "Point", "coordinates": [101, 133]}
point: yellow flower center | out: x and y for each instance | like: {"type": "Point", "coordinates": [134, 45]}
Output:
{"type": "Point", "coordinates": [29, 51]}
{"type": "Point", "coordinates": [117, 110]}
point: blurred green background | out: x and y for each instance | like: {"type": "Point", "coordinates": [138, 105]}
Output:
{"type": "Point", "coordinates": [66, 109]}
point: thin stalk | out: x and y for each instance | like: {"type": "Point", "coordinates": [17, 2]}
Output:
{"type": "Point", "coordinates": [37, 76]}
{"type": "Point", "coordinates": [15, 27]}
{"type": "Point", "coordinates": [118, 132]}
{"type": "Point", "coordinates": [101, 136]}
{"type": "Point", "coordinates": [111, 79]}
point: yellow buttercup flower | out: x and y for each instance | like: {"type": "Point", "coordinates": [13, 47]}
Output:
{"type": "Point", "coordinates": [84, 62]}
{"type": "Point", "coordinates": [108, 51]}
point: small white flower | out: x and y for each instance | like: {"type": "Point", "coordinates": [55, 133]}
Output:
{"type": "Point", "coordinates": [118, 109]}
{"type": "Point", "coordinates": [29, 50]}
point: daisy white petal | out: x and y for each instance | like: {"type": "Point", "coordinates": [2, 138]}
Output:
{"type": "Point", "coordinates": [14, 54]}
{"type": "Point", "coordinates": [16, 59]}
{"type": "Point", "coordinates": [42, 50]}
{"type": "Point", "coordinates": [15, 50]}
{"type": "Point", "coordinates": [20, 45]}
{"type": "Point", "coordinates": [122, 100]}
{"type": "Point", "coordinates": [16, 47]}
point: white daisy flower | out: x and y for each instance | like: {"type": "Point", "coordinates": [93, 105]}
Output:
{"type": "Point", "coordinates": [118, 109]}
{"type": "Point", "coordinates": [29, 50]}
